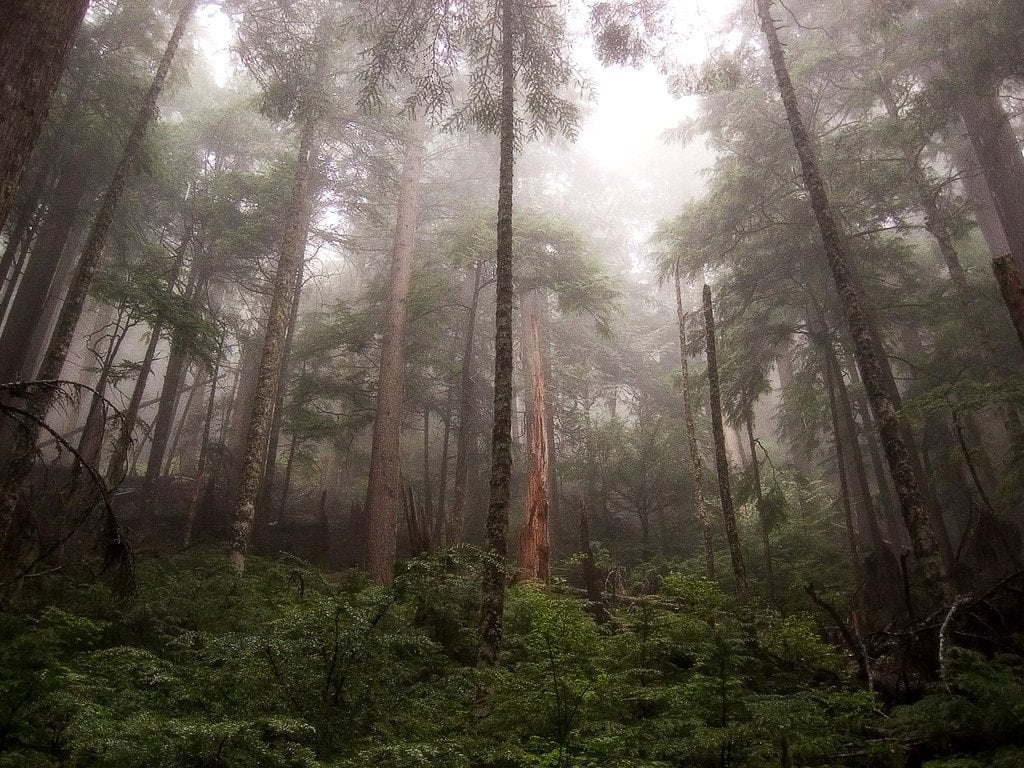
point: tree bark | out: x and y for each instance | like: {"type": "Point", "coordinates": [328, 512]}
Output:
{"type": "Point", "coordinates": [20, 466]}
{"type": "Point", "coordinates": [16, 342]}
{"type": "Point", "coordinates": [1012, 288]}
{"type": "Point", "coordinates": [493, 605]}
{"type": "Point", "coordinates": [534, 536]}
{"type": "Point", "coordinates": [766, 541]}
{"type": "Point", "coordinates": [739, 570]}
{"type": "Point", "coordinates": [383, 493]}
{"type": "Point", "coordinates": [290, 255]}
{"type": "Point", "coordinates": [35, 38]}
{"type": "Point", "coordinates": [999, 156]}
{"type": "Point", "coordinates": [898, 454]}
{"type": "Point", "coordinates": [696, 462]}
{"type": "Point", "coordinates": [456, 515]}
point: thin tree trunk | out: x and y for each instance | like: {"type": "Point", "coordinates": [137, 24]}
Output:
{"type": "Point", "coordinates": [270, 470]}
{"type": "Point", "coordinates": [118, 460]}
{"type": "Point", "coordinates": [290, 254]}
{"type": "Point", "coordinates": [286, 483]}
{"type": "Point", "coordinates": [20, 467]}
{"type": "Point", "coordinates": [90, 444]}
{"type": "Point", "coordinates": [203, 473]}
{"type": "Point", "coordinates": [441, 514]}
{"type": "Point", "coordinates": [534, 536]}
{"type": "Point", "coordinates": [766, 542]}
{"type": "Point", "coordinates": [493, 604]}
{"type": "Point", "coordinates": [35, 38]}
{"type": "Point", "coordinates": [383, 494]}
{"type": "Point", "coordinates": [456, 515]}
{"type": "Point", "coordinates": [856, 558]}
{"type": "Point", "coordinates": [696, 462]}
{"type": "Point", "coordinates": [924, 537]}
{"type": "Point", "coordinates": [721, 457]}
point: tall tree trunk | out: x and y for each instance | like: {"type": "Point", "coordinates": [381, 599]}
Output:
{"type": "Point", "coordinates": [20, 466]}
{"type": "Point", "coordinates": [534, 536]}
{"type": "Point", "coordinates": [270, 470]}
{"type": "Point", "coordinates": [493, 605]}
{"type": "Point", "coordinates": [1012, 288]}
{"type": "Point", "coordinates": [898, 454]}
{"type": "Point", "coordinates": [442, 484]}
{"type": "Point", "coordinates": [755, 466]}
{"type": "Point", "coordinates": [203, 473]}
{"type": "Point", "coordinates": [856, 558]}
{"type": "Point", "coordinates": [732, 535]}
{"type": "Point", "coordinates": [999, 156]}
{"type": "Point", "coordinates": [290, 254]}
{"type": "Point", "coordinates": [696, 462]}
{"type": "Point", "coordinates": [90, 444]}
{"type": "Point", "coordinates": [456, 515]}
{"type": "Point", "coordinates": [35, 38]}
{"type": "Point", "coordinates": [428, 485]}
{"type": "Point", "coordinates": [383, 493]}
{"type": "Point", "coordinates": [54, 233]}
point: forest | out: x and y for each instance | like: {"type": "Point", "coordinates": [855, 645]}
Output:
{"type": "Point", "coordinates": [379, 386]}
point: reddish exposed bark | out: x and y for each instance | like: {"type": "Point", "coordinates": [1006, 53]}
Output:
{"type": "Point", "coordinates": [1012, 288]}
{"type": "Point", "coordinates": [534, 536]}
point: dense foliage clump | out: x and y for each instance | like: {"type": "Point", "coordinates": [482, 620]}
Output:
{"type": "Point", "coordinates": [290, 667]}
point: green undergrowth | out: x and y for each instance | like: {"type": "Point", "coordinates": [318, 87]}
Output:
{"type": "Point", "coordinates": [292, 667]}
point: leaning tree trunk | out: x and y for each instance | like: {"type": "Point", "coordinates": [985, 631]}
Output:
{"type": "Point", "coordinates": [384, 492]}
{"type": "Point", "coordinates": [739, 570]}
{"type": "Point", "coordinates": [35, 37]}
{"type": "Point", "coordinates": [696, 462]}
{"type": "Point", "coordinates": [493, 605]}
{"type": "Point", "coordinates": [455, 516]}
{"type": "Point", "coordinates": [535, 536]}
{"type": "Point", "coordinates": [290, 255]}
{"type": "Point", "coordinates": [20, 466]}
{"type": "Point", "coordinates": [897, 452]}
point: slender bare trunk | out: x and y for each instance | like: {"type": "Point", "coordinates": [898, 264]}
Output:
{"type": "Point", "coordinates": [766, 542]}
{"type": "Point", "coordinates": [739, 570]}
{"type": "Point", "coordinates": [383, 494]}
{"type": "Point", "coordinates": [696, 462]}
{"type": "Point", "coordinates": [456, 515]}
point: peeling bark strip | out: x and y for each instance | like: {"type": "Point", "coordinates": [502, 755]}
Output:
{"type": "Point", "coordinates": [21, 464]}
{"type": "Point", "coordinates": [383, 495]}
{"type": "Point", "coordinates": [493, 604]}
{"type": "Point", "coordinates": [293, 247]}
{"type": "Point", "coordinates": [897, 453]}
{"type": "Point", "coordinates": [696, 462]}
{"type": "Point", "coordinates": [35, 38]}
{"type": "Point", "coordinates": [534, 536]}
{"type": "Point", "coordinates": [721, 459]}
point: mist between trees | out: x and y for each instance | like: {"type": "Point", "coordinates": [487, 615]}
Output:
{"type": "Point", "coordinates": [353, 414]}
